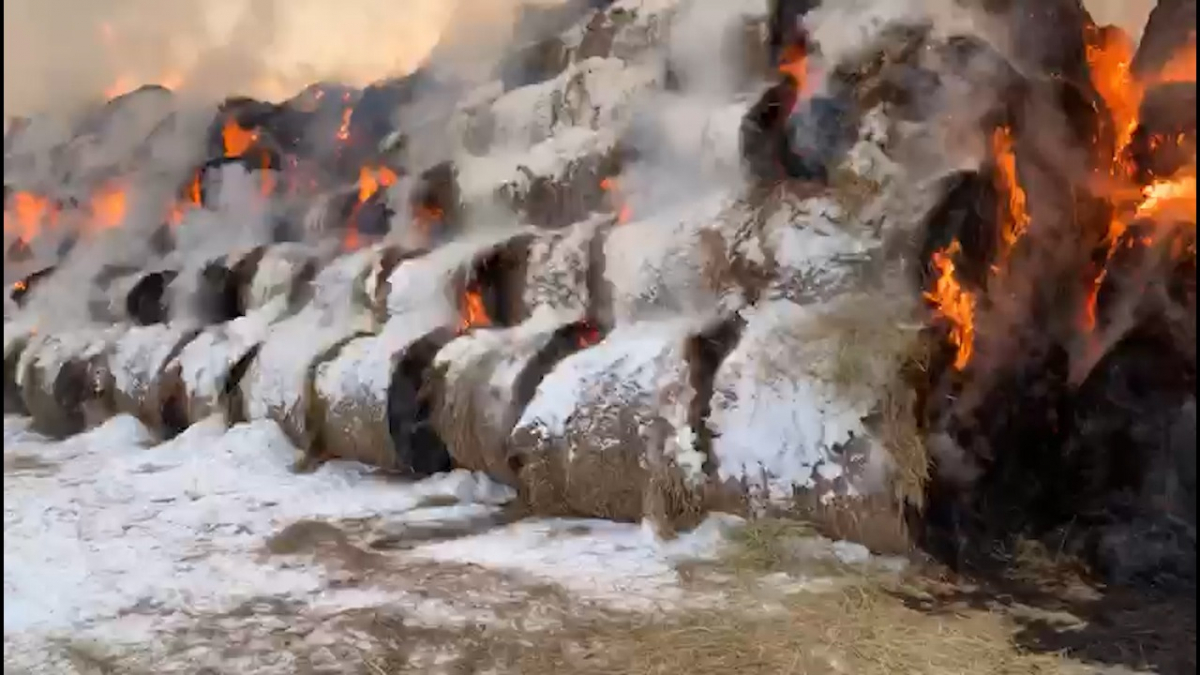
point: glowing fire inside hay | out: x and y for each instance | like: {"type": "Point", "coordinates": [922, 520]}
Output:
{"type": "Point", "coordinates": [370, 180]}
{"type": "Point", "coordinates": [29, 213]}
{"type": "Point", "coordinates": [954, 303]}
{"type": "Point", "coordinates": [237, 140]}
{"type": "Point", "coordinates": [474, 313]}
{"type": "Point", "coordinates": [624, 211]}
{"type": "Point", "coordinates": [109, 207]}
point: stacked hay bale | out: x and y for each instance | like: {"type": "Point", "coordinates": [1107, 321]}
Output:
{"type": "Point", "coordinates": [201, 380]}
{"type": "Point", "coordinates": [368, 394]}
{"type": "Point", "coordinates": [482, 380]}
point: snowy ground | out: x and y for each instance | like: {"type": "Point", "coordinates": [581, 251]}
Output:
{"type": "Point", "coordinates": [209, 551]}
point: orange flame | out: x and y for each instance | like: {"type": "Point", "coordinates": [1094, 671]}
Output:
{"type": "Point", "coordinates": [954, 303]}
{"type": "Point", "coordinates": [1174, 195]}
{"type": "Point", "coordinates": [624, 211]}
{"type": "Point", "coordinates": [793, 63]}
{"type": "Point", "coordinates": [1014, 215]}
{"type": "Point", "coordinates": [370, 179]}
{"type": "Point", "coordinates": [236, 139]}
{"type": "Point", "coordinates": [474, 314]}
{"type": "Point", "coordinates": [109, 206]}
{"type": "Point", "coordinates": [30, 211]}
{"type": "Point", "coordinates": [1182, 65]}
{"type": "Point", "coordinates": [343, 132]}
{"type": "Point", "coordinates": [1110, 57]}
{"type": "Point", "coordinates": [588, 336]}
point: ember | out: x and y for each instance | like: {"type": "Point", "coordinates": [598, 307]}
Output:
{"type": "Point", "coordinates": [474, 314]}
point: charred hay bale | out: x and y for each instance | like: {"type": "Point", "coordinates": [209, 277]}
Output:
{"type": "Point", "coordinates": [64, 379]}
{"type": "Point", "coordinates": [278, 383]}
{"type": "Point", "coordinates": [607, 433]}
{"type": "Point", "coordinates": [1169, 31]}
{"type": "Point", "coordinates": [137, 362]}
{"type": "Point", "coordinates": [482, 381]}
{"type": "Point", "coordinates": [809, 417]}
{"type": "Point", "coordinates": [1165, 140]}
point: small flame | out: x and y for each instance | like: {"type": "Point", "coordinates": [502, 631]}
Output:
{"type": "Point", "coordinates": [793, 63]}
{"type": "Point", "coordinates": [236, 139]}
{"type": "Point", "coordinates": [109, 206]}
{"type": "Point", "coordinates": [1014, 215]}
{"type": "Point", "coordinates": [474, 314]}
{"type": "Point", "coordinates": [370, 179]}
{"type": "Point", "coordinates": [624, 211]}
{"type": "Point", "coordinates": [954, 303]}
{"type": "Point", "coordinates": [588, 336]}
{"type": "Point", "coordinates": [343, 132]}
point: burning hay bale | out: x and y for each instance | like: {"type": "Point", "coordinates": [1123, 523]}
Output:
{"type": "Point", "coordinates": [608, 432]}
{"type": "Point", "coordinates": [369, 399]}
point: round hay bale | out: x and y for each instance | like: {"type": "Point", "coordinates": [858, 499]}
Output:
{"type": "Point", "coordinates": [16, 338]}
{"type": "Point", "coordinates": [64, 379]}
{"type": "Point", "coordinates": [482, 381]}
{"type": "Point", "coordinates": [137, 361]}
{"type": "Point", "coordinates": [278, 383]}
{"type": "Point", "coordinates": [607, 433]}
{"type": "Point", "coordinates": [352, 394]}
{"type": "Point", "coordinates": [807, 416]}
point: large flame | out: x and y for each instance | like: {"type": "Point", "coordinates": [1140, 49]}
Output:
{"type": "Point", "coordinates": [1110, 57]}
{"type": "Point", "coordinates": [954, 303]}
{"type": "Point", "coordinates": [29, 213]}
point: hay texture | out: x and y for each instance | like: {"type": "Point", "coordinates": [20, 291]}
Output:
{"type": "Point", "coordinates": [607, 433]}
{"type": "Point", "coordinates": [64, 378]}
{"type": "Point", "coordinates": [805, 413]}
{"type": "Point", "coordinates": [137, 361]}
{"type": "Point", "coordinates": [201, 380]}
{"type": "Point", "coordinates": [352, 388]}
{"type": "Point", "coordinates": [277, 384]}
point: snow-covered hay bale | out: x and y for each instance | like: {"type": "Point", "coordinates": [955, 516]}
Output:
{"type": "Point", "coordinates": [16, 337]}
{"type": "Point", "coordinates": [483, 380]}
{"type": "Point", "coordinates": [64, 379]}
{"type": "Point", "coordinates": [277, 384]}
{"type": "Point", "coordinates": [807, 415]}
{"type": "Point", "coordinates": [202, 379]}
{"type": "Point", "coordinates": [137, 361]}
{"type": "Point", "coordinates": [368, 396]}
{"type": "Point", "coordinates": [608, 432]}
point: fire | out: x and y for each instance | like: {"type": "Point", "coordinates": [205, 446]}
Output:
{"type": "Point", "coordinates": [192, 199]}
{"type": "Point", "coordinates": [793, 63]}
{"type": "Point", "coordinates": [954, 303]}
{"type": "Point", "coordinates": [474, 314]}
{"type": "Point", "coordinates": [588, 335]}
{"type": "Point", "coordinates": [624, 211]}
{"type": "Point", "coordinates": [30, 211]}
{"type": "Point", "coordinates": [1182, 65]}
{"type": "Point", "coordinates": [370, 179]}
{"type": "Point", "coordinates": [236, 139]}
{"type": "Point", "coordinates": [1176, 195]}
{"type": "Point", "coordinates": [1110, 56]}
{"type": "Point", "coordinates": [1014, 216]}
{"type": "Point", "coordinates": [343, 132]}
{"type": "Point", "coordinates": [109, 206]}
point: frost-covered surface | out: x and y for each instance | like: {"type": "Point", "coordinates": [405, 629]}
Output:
{"type": "Point", "coordinates": [140, 354]}
{"type": "Point", "coordinates": [639, 367]}
{"type": "Point", "coordinates": [783, 411]}
{"type": "Point", "coordinates": [124, 547]}
{"type": "Point", "coordinates": [275, 386]}
{"type": "Point", "coordinates": [656, 265]}
{"type": "Point", "coordinates": [558, 268]}
{"type": "Point", "coordinates": [48, 353]}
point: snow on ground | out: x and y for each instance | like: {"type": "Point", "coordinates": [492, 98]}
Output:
{"type": "Point", "coordinates": [114, 539]}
